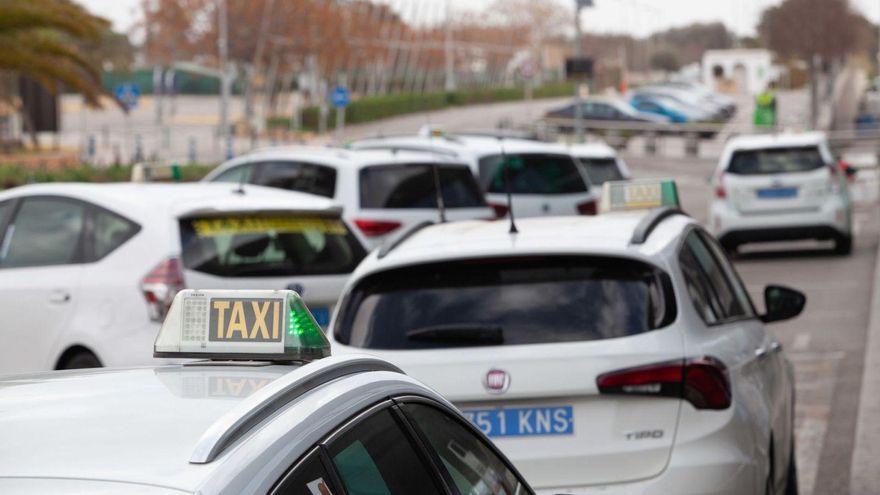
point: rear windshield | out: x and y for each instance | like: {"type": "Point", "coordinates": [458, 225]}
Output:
{"type": "Point", "coordinates": [531, 300]}
{"type": "Point", "coordinates": [532, 174]}
{"type": "Point", "coordinates": [601, 170]}
{"type": "Point", "coordinates": [415, 186]}
{"type": "Point", "coordinates": [776, 161]}
{"type": "Point", "coordinates": [268, 245]}
{"type": "Point", "coordinates": [296, 176]}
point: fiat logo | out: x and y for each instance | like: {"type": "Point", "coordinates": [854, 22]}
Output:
{"type": "Point", "coordinates": [496, 381]}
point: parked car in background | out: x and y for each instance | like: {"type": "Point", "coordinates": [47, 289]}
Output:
{"type": "Point", "coordinates": [383, 192]}
{"type": "Point", "coordinates": [607, 109]}
{"type": "Point", "coordinates": [87, 271]}
{"type": "Point", "coordinates": [668, 106]}
{"type": "Point", "coordinates": [544, 179]}
{"type": "Point", "coordinates": [726, 103]}
{"type": "Point", "coordinates": [780, 187]}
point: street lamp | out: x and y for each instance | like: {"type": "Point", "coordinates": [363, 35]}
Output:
{"type": "Point", "coordinates": [578, 53]}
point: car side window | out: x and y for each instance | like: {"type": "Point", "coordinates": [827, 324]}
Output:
{"type": "Point", "coordinates": [376, 457]}
{"type": "Point", "coordinates": [240, 174]}
{"type": "Point", "coordinates": [110, 232]}
{"type": "Point", "coordinates": [45, 231]}
{"type": "Point", "coordinates": [308, 477]}
{"type": "Point", "coordinates": [473, 467]}
{"type": "Point", "coordinates": [728, 305]}
{"type": "Point", "coordinates": [733, 279]}
{"type": "Point", "coordinates": [698, 287]}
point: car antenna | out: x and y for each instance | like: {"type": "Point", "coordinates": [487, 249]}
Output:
{"type": "Point", "coordinates": [513, 229]}
{"type": "Point", "coordinates": [435, 171]}
{"type": "Point", "coordinates": [240, 189]}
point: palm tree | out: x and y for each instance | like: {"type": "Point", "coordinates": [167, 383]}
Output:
{"type": "Point", "coordinates": [40, 39]}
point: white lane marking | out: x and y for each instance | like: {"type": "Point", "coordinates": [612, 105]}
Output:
{"type": "Point", "coordinates": [801, 342]}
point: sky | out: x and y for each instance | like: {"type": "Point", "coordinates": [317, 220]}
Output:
{"type": "Point", "coordinates": [637, 17]}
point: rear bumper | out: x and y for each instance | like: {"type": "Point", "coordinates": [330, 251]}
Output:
{"type": "Point", "coordinates": [830, 220]}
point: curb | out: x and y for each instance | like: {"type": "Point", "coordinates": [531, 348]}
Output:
{"type": "Point", "coordinates": [865, 468]}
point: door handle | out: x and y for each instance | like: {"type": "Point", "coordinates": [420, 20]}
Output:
{"type": "Point", "coordinates": [761, 353]}
{"type": "Point", "coordinates": [59, 297]}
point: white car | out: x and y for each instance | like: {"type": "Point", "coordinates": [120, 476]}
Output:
{"type": "Point", "coordinates": [544, 178]}
{"type": "Point", "coordinates": [257, 415]}
{"type": "Point", "coordinates": [383, 193]}
{"type": "Point", "coordinates": [87, 270]}
{"type": "Point", "coordinates": [616, 354]}
{"type": "Point", "coordinates": [780, 187]}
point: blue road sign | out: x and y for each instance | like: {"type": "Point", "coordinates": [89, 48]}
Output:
{"type": "Point", "coordinates": [128, 95]}
{"type": "Point", "coordinates": [340, 97]}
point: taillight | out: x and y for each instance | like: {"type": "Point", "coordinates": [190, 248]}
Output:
{"type": "Point", "coordinates": [160, 286]}
{"type": "Point", "coordinates": [500, 209]}
{"type": "Point", "coordinates": [588, 208]}
{"type": "Point", "coordinates": [834, 173]}
{"type": "Point", "coordinates": [701, 381]}
{"type": "Point", "coordinates": [375, 228]}
{"type": "Point", "coordinates": [720, 192]}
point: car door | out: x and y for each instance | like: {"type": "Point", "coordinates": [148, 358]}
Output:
{"type": "Point", "coordinates": [732, 331]}
{"type": "Point", "coordinates": [40, 268]}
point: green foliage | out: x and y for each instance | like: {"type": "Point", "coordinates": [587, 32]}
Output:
{"type": "Point", "coordinates": [665, 60]}
{"type": "Point", "coordinates": [12, 175]}
{"type": "Point", "coordinates": [374, 108]}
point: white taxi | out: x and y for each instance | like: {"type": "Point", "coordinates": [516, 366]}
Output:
{"type": "Point", "coordinates": [264, 411]}
{"type": "Point", "coordinates": [545, 179]}
{"type": "Point", "coordinates": [382, 192]}
{"type": "Point", "coordinates": [619, 352]}
{"type": "Point", "coordinates": [87, 271]}
{"type": "Point", "coordinates": [780, 187]}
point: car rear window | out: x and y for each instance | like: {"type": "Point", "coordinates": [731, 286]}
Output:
{"type": "Point", "coordinates": [775, 161]}
{"type": "Point", "coordinates": [413, 185]}
{"type": "Point", "coordinates": [530, 300]}
{"type": "Point", "coordinates": [601, 170]}
{"type": "Point", "coordinates": [532, 174]}
{"type": "Point", "coordinates": [269, 245]}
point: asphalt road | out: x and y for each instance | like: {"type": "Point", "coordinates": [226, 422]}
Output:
{"type": "Point", "coordinates": [826, 343]}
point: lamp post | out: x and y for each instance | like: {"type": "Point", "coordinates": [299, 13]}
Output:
{"type": "Point", "coordinates": [578, 53]}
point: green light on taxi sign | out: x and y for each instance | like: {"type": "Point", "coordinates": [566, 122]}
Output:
{"type": "Point", "coordinates": [638, 195]}
{"type": "Point", "coordinates": [271, 325]}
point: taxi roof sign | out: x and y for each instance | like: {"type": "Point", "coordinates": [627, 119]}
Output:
{"type": "Point", "coordinates": [268, 325]}
{"type": "Point", "coordinates": [639, 194]}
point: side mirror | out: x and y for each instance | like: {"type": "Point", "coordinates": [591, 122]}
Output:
{"type": "Point", "coordinates": [782, 303]}
{"type": "Point", "coordinates": [850, 171]}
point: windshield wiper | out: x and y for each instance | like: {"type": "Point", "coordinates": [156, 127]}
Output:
{"type": "Point", "coordinates": [466, 333]}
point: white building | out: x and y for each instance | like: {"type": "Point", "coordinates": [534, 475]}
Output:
{"type": "Point", "coordinates": [738, 71]}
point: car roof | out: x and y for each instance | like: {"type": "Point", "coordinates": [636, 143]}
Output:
{"type": "Point", "coordinates": [465, 145]}
{"type": "Point", "coordinates": [145, 426]}
{"type": "Point", "coordinates": [608, 234]}
{"type": "Point", "coordinates": [337, 157]}
{"type": "Point", "coordinates": [596, 149]}
{"type": "Point", "coordinates": [145, 199]}
{"type": "Point", "coordinates": [776, 140]}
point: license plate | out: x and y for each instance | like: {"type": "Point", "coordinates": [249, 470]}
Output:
{"type": "Point", "coordinates": [777, 192]}
{"type": "Point", "coordinates": [523, 421]}
{"type": "Point", "coordinates": [322, 316]}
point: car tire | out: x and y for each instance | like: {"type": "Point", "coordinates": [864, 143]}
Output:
{"type": "Point", "coordinates": [843, 245]}
{"type": "Point", "coordinates": [81, 360]}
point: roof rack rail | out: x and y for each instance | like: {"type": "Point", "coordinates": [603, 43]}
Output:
{"type": "Point", "coordinates": [651, 221]}
{"type": "Point", "coordinates": [393, 244]}
{"type": "Point", "coordinates": [245, 416]}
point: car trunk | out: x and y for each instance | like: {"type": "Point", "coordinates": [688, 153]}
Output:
{"type": "Point", "coordinates": [311, 254]}
{"type": "Point", "coordinates": [777, 180]}
{"type": "Point", "coordinates": [511, 342]}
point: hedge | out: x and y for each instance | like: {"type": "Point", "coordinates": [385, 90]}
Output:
{"type": "Point", "coordinates": [17, 175]}
{"type": "Point", "coordinates": [373, 108]}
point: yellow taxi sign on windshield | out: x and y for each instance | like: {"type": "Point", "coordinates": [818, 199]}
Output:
{"type": "Point", "coordinates": [273, 325]}
{"type": "Point", "coordinates": [638, 195]}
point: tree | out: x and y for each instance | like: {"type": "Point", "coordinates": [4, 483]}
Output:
{"type": "Point", "coordinates": [39, 39]}
{"type": "Point", "coordinates": [665, 60]}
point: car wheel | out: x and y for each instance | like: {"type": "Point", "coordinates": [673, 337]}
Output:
{"type": "Point", "coordinates": [80, 360]}
{"type": "Point", "coordinates": [843, 245]}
